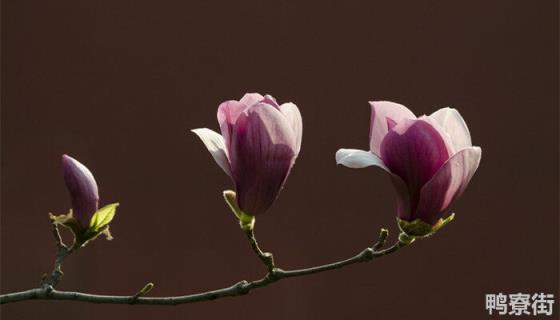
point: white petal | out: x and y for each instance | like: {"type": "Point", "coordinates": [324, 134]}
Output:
{"type": "Point", "coordinates": [292, 114]}
{"type": "Point", "coordinates": [355, 158]}
{"type": "Point", "coordinates": [214, 142]}
{"type": "Point", "coordinates": [381, 113]}
{"type": "Point", "coordinates": [451, 122]}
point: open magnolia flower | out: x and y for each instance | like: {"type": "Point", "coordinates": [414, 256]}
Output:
{"type": "Point", "coordinates": [430, 160]}
{"type": "Point", "coordinates": [85, 219]}
{"type": "Point", "coordinates": [258, 146]}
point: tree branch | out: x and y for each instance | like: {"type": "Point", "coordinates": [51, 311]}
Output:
{"type": "Point", "coordinates": [62, 252]}
{"type": "Point", "coordinates": [47, 291]}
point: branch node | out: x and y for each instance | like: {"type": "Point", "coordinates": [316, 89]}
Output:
{"type": "Point", "coordinates": [46, 291]}
{"type": "Point", "coordinates": [268, 260]}
{"type": "Point", "coordinates": [383, 234]}
{"type": "Point", "coordinates": [242, 287]}
{"type": "Point", "coordinates": [147, 288]}
{"type": "Point", "coordinates": [367, 254]}
{"type": "Point", "coordinates": [44, 279]}
{"type": "Point", "coordinates": [274, 274]}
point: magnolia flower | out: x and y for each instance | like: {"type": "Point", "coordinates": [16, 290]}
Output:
{"type": "Point", "coordinates": [430, 160]}
{"type": "Point", "coordinates": [82, 188]}
{"type": "Point", "coordinates": [258, 146]}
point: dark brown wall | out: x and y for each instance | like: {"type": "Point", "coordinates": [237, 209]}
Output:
{"type": "Point", "coordinates": [118, 84]}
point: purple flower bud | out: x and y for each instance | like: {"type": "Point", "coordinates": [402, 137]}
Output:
{"type": "Point", "coordinates": [83, 190]}
{"type": "Point", "coordinates": [258, 146]}
{"type": "Point", "coordinates": [430, 159]}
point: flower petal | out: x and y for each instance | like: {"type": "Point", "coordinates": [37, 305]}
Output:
{"type": "Point", "coordinates": [270, 100]}
{"type": "Point", "coordinates": [380, 111]}
{"type": "Point", "coordinates": [292, 114]}
{"type": "Point", "coordinates": [357, 159]}
{"type": "Point", "coordinates": [83, 189]}
{"type": "Point", "coordinates": [228, 112]}
{"type": "Point", "coordinates": [403, 198]}
{"type": "Point", "coordinates": [250, 99]}
{"type": "Point", "coordinates": [447, 185]}
{"type": "Point", "coordinates": [451, 122]}
{"type": "Point", "coordinates": [444, 135]}
{"type": "Point", "coordinates": [214, 142]}
{"type": "Point", "coordinates": [414, 150]}
{"type": "Point", "coordinates": [263, 150]}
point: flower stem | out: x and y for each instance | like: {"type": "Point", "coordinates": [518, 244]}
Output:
{"type": "Point", "coordinates": [266, 257]}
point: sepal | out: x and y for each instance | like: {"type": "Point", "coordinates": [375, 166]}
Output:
{"type": "Point", "coordinates": [68, 221]}
{"type": "Point", "coordinates": [421, 229]}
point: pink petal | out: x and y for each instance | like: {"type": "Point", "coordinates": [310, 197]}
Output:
{"type": "Point", "coordinates": [380, 111]}
{"type": "Point", "coordinates": [250, 99]}
{"type": "Point", "coordinates": [447, 185]}
{"type": "Point", "coordinates": [270, 100]}
{"type": "Point", "coordinates": [414, 150]}
{"type": "Point", "coordinates": [263, 150]}
{"type": "Point", "coordinates": [228, 112]}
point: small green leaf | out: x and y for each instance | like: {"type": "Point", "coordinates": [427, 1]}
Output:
{"type": "Point", "coordinates": [102, 217]}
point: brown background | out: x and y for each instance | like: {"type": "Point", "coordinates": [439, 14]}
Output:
{"type": "Point", "coordinates": [117, 84]}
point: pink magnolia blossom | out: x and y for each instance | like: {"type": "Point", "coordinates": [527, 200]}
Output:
{"type": "Point", "coordinates": [258, 146]}
{"type": "Point", "coordinates": [430, 158]}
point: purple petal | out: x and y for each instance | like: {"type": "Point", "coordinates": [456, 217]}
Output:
{"type": "Point", "coordinates": [404, 211]}
{"type": "Point", "coordinates": [453, 124]}
{"type": "Point", "coordinates": [414, 150]}
{"type": "Point", "coordinates": [291, 112]}
{"type": "Point", "coordinates": [228, 112]}
{"type": "Point", "coordinates": [447, 185]}
{"type": "Point", "coordinates": [250, 99]}
{"type": "Point", "coordinates": [263, 150]}
{"type": "Point", "coordinates": [83, 189]}
{"type": "Point", "coordinates": [214, 142]}
{"type": "Point", "coordinates": [381, 111]}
